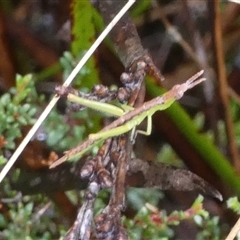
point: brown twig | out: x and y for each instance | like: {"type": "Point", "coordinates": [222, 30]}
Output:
{"type": "Point", "coordinates": [162, 176]}
{"type": "Point", "coordinates": [124, 35]}
{"type": "Point", "coordinates": [111, 215]}
{"type": "Point", "coordinates": [137, 63]}
{"type": "Point", "coordinates": [99, 178]}
{"type": "Point", "coordinates": [223, 86]}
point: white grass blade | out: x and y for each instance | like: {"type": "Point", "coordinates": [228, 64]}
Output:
{"type": "Point", "coordinates": [68, 81]}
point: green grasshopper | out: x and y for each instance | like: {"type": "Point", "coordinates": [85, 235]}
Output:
{"type": "Point", "coordinates": [128, 119]}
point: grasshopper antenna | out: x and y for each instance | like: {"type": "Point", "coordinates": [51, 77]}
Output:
{"type": "Point", "coordinates": [193, 81]}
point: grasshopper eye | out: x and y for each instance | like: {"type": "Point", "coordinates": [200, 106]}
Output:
{"type": "Point", "coordinates": [179, 91]}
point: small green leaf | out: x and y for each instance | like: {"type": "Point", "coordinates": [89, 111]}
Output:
{"type": "Point", "coordinates": [234, 204]}
{"type": "Point", "coordinates": [22, 120]}
{"type": "Point", "coordinates": [5, 99]}
{"type": "Point", "coordinates": [21, 87]}
{"type": "Point", "coordinates": [28, 209]}
{"type": "Point", "coordinates": [3, 160]}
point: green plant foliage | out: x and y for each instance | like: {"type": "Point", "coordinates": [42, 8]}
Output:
{"type": "Point", "coordinates": [137, 197]}
{"type": "Point", "coordinates": [28, 217]}
{"type": "Point", "coordinates": [62, 136]}
{"type": "Point", "coordinates": [157, 224]}
{"type": "Point", "coordinates": [48, 72]}
{"type": "Point", "coordinates": [17, 109]}
{"type": "Point", "coordinates": [235, 112]}
{"type": "Point", "coordinates": [3, 160]}
{"type": "Point", "coordinates": [140, 7]}
{"type": "Point", "coordinates": [234, 204]}
{"type": "Point", "coordinates": [68, 62]}
{"type": "Point", "coordinates": [25, 222]}
{"type": "Point", "coordinates": [98, 21]}
{"type": "Point", "coordinates": [168, 156]}
{"type": "Point", "coordinates": [209, 227]}
{"type": "Point", "coordinates": [83, 32]}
